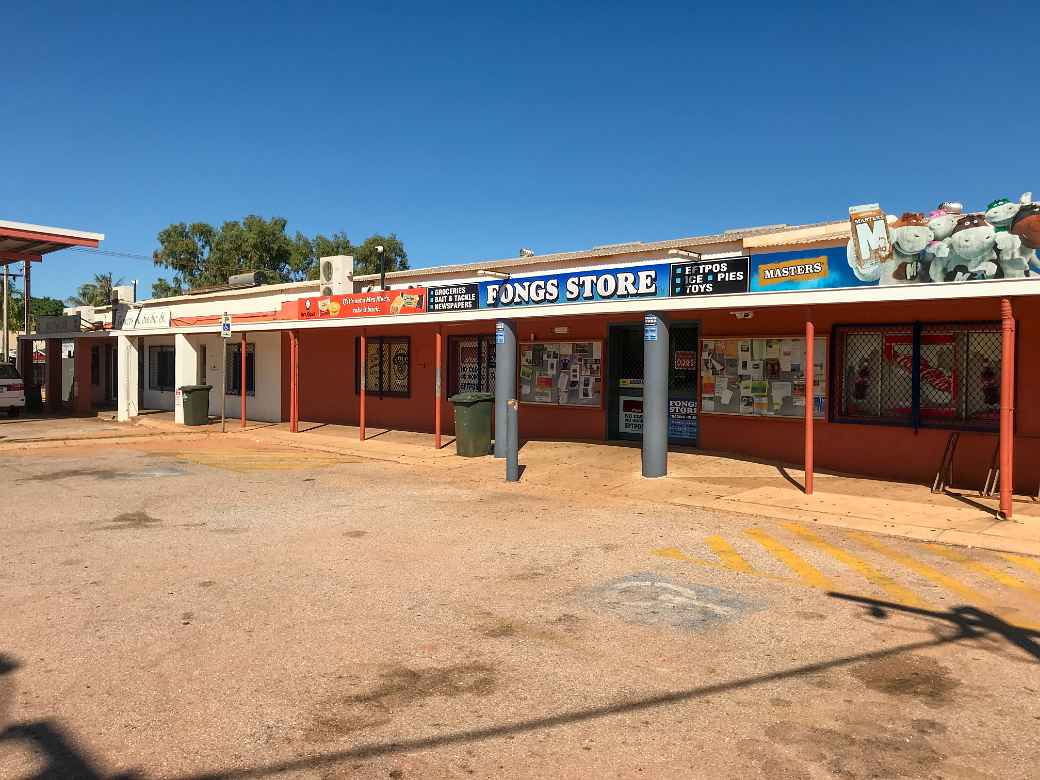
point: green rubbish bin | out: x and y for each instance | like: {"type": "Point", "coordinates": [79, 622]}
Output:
{"type": "Point", "coordinates": [195, 400]}
{"type": "Point", "coordinates": [473, 423]}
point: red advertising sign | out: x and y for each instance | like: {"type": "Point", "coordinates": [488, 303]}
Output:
{"type": "Point", "coordinates": [369, 304]}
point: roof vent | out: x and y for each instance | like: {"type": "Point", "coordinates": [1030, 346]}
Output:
{"type": "Point", "coordinates": [526, 252]}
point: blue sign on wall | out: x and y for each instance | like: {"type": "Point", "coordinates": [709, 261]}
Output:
{"type": "Point", "coordinates": [806, 269]}
{"type": "Point", "coordinates": [600, 284]}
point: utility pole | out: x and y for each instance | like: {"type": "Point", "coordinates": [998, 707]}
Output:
{"type": "Point", "coordinates": [382, 267]}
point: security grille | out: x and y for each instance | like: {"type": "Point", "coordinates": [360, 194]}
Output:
{"type": "Point", "coordinates": [387, 366]}
{"type": "Point", "coordinates": [942, 376]}
{"type": "Point", "coordinates": [682, 373]}
{"type": "Point", "coordinates": [471, 364]}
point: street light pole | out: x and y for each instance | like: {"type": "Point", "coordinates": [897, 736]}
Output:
{"type": "Point", "coordinates": [382, 266]}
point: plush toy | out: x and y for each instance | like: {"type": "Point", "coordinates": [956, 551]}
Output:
{"type": "Point", "coordinates": [1000, 212]}
{"type": "Point", "coordinates": [1026, 226]}
{"type": "Point", "coordinates": [973, 248]}
{"type": "Point", "coordinates": [910, 237]}
{"type": "Point", "coordinates": [942, 223]}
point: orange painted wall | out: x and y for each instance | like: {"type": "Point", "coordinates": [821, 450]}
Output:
{"type": "Point", "coordinates": [327, 392]}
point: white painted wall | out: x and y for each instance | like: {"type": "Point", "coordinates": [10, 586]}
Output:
{"type": "Point", "coordinates": [266, 405]}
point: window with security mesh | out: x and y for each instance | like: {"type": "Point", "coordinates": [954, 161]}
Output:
{"type": "Point", "coordinates": [943, 375]}
{"type": "Point", "coordinates": [233, 375]}
{"type": "Point", "coordinates": [160, 367]}
{"type": "Point", "coordinates": [387, 368]}
{"type": "Point", "coordinates": [471, 364]}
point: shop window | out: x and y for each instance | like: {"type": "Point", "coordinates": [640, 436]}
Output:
{"type": "Point", "coordinates": [762, 377]}
{"type": "Point", "coordinates": [471, 364]}
{"type": "Point", "coordinates": [387, 366]}
{"type": "Point", "coordinates": [95, 366]}
{"type": "Point", "coordinates": [934, 376]}
{"type": "Point", "coordinates": [161, 367]}
{"type": "Point", "coordinates": [233, 377]}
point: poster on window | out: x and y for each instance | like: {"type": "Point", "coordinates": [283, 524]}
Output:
{"type": "Point", "coordinates": [562, 373]}
{"type": "Point", "coordinates": [761, 377]}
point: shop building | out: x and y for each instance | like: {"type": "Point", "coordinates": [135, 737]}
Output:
{"type": "Point", "coordinates": [819, 342]}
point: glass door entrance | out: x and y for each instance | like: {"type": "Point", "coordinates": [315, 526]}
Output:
{"type": "Point", "coordinates": [625, 383]}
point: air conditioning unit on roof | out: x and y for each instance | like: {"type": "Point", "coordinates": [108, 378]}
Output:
{"type": "Point", "coordinates": [336, 275]}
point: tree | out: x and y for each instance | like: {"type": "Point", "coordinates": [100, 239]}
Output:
{"type": "Point", "coordinates": [366, 258]}
{"type": "Point", "coordinates": [41, 307]}
{"type": "Point", "coordinates": [95, 293]}
{"type": "Point", "coordinates": [203, 256]}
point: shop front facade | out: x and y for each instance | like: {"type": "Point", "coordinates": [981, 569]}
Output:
{"type": "Point", "coordinates": [897, 365]}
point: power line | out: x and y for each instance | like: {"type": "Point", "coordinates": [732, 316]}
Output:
{"type": "Point", "coordinates": [113, 253]}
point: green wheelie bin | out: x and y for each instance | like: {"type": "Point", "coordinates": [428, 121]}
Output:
{"type": "Point", "coordinates": [195, 399]}
{"type": "Point", "coordinates": [473, 423]}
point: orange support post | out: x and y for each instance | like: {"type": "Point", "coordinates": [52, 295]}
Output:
{"type": "Point", "coordinates": [1007, 407]}
{"type": "Point", "coordinates": [810, 343]}
{"type": "Point", "coordinates": [294, 381]}
{"type": "Point", "coordinates": [363, 368]}
{"type": "Point", "coordinates": [437, 391]}
{"type": "Point", "coordinates": [242, 387]}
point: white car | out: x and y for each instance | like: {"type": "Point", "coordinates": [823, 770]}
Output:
{"type": "Point", "coordinates": [12, 390]}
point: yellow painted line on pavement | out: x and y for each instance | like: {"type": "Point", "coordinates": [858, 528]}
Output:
{"type": "Point", "coordinates": [894, 590]}
{"type": "Point", "coordinates": [921, 568]}
{"type": "Point", "coordinates": [978, 566]}
{"type": "Point", "coordinates": [728, 555]}
{"type": "Point", "coordinates": [1030, 564]}
{"type": "Point", "coordinates": [806, 572]}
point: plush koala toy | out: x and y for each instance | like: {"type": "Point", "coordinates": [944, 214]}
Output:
{"type": "Point", "coordinates": [941, 222]}
{"type": "Point", "coordinates": [910, 237]}
{"type": "Point", "coordinates": [1026, 227]}
{"type": "Point", "coordinates": [973, 248]}
{"type": "Point", "coordinates": [1000, 212]}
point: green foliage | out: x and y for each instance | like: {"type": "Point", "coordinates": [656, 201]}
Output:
{"type": "Point", "coordinates": [164, 289]}
{"type": "Point", "coordinates": [202, 256]}
{"type": "Point", "coordinates": [41, 307]}
{"type": "Point", "coordinates": [95, 293]}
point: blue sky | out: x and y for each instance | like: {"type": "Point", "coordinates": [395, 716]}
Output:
{"type": "Point", "coordinates": [472, 130]}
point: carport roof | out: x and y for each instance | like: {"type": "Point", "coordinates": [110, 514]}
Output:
{"type": "Point", "coordinates": [20, 240]}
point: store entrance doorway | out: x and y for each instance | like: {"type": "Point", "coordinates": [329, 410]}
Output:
{"type": "Point", "coordinates": [625, 383]}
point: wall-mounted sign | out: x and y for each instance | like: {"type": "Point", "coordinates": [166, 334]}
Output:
{"type": "Point", "coordinates": [371, 304]}
{"type": "Point", "coordinates": [455, 297]}
{"type": "Point", "coordinates": [599, 284]}
{"type": "Point", "coordinates": [710, 277]}
{"type": "Point", "coordinates": [144, 319]}
{"type": "Point", "coordinates": [649, 327]}
{"type": "Point", "coordinates": [58, 323]}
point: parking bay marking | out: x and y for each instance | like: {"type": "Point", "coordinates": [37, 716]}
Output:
{"type": "Point", "coordinates": [883, 581]}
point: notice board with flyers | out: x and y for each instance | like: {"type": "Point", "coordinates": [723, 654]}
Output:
{"type": "Point", "coordinates": [562, 373]}
{"type": "Point", "coordinates": [761, 377]}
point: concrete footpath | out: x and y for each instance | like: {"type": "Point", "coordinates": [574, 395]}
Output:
{"type": "Point", "coordinates": [696, 479]}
